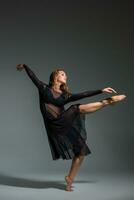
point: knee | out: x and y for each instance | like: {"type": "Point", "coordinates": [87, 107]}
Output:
{"type": "Point", "coordinates": [79, 158]}
{"type": "Point", "coordinates": [81, 109]}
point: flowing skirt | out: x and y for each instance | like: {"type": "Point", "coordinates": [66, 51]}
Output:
{"type": "Point", "coordinates": [67, 134]}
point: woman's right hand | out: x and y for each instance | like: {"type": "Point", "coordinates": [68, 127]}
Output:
{"type": "Point", "coordinates": [20, 67]}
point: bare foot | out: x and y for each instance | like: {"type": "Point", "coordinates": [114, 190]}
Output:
{"type": "Point", "coordinates": [69, 182]}
{"type": "Point", "coordinates": [112, 100]}
{"type": "Point", "coordinates": [69, 188]}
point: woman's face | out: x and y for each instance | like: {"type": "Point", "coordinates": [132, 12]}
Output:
{"type": "Point", "coordinates": [61, 77]}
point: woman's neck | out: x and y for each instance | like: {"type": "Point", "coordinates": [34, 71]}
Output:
{"type": "Point", "coordinates": [56, 87]}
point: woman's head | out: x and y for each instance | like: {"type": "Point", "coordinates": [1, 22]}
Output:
{"type": "Point", "coordinates": [59, 76]}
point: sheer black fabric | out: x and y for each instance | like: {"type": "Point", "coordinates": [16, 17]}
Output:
{"type": "Point", "coordinates": [65, 127]}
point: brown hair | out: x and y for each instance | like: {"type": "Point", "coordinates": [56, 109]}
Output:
{"type": "Point", "coordinates": [63, 86]}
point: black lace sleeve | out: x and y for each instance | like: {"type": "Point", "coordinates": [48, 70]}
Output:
{"type": "Point", "coordinates": [39, 84]}
{"type": "Point", "coordinates": [81, 95]}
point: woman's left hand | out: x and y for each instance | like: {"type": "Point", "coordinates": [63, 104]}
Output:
{"type": "Point", "coordinates": [108, 90]}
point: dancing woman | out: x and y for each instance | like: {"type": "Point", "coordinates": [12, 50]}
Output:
{"type": "Point", "coordinates": [66, 127]}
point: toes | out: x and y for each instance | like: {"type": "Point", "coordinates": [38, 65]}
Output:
{"type": "Point", "coordinates": [122, 97]}
{"type": "Point", "coordinates": [69, 189]}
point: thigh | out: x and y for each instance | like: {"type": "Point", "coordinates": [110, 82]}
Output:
{"type": "Point", "coordinates": [83, 107]}
{"type": "Point", "coordinates": [90, 107]}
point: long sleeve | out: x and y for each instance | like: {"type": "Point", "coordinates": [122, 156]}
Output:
{"type": "Point", "coordinates": [39, 84]}
{"type": "Point", "coordinates": [81, 95]}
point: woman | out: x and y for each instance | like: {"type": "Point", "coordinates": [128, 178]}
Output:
{"type": "Point", "coordinates": [66, 128]}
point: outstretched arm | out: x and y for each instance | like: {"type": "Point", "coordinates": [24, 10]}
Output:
{"type": "Point", "coordinates": [81, 95]}
{"type": "Point", "coordinates": [39, 84]}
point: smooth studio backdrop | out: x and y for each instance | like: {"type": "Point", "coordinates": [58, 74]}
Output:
{"type": "Point", "coordinates": [93, 42]}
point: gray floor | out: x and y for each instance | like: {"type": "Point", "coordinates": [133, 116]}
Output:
{"type": "Point", "coordinates": [108, 186]}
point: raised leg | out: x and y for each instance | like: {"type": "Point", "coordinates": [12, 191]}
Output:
{"type": "Point", "coordinates": [92, 107]}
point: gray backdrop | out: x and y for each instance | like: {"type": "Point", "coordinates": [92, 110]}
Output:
{"type": "Point", "coordinates": [93, 42]}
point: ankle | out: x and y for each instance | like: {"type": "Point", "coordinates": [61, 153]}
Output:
{"type": "Point", "coordinates": [108, 101]}
{"type": "Point", "coordinates": [69, 179]}
{"type": "Point", "coordinates": [105, 102]}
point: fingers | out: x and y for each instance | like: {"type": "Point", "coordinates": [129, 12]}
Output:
{"type": "Point", "coordinates": [112, 90]}
{"type": "Point", "coordinates": [109, 90]}
{"type": "Point", "coordinates": [19, 67]}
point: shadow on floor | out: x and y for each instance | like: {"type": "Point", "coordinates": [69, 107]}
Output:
{"type": "Point", "coordinates": [27, 183]}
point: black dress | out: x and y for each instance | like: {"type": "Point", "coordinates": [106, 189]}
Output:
{"type": "Point", "coordinates": [65, 127]}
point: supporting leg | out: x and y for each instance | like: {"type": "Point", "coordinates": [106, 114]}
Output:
{"type": "Point", "coordinates": [76, 163]}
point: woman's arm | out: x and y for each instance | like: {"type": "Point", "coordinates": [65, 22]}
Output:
{"type": "Point", "coordinates": [81, 95]}
{"type": "Point", "coordinates": [39, 84]}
